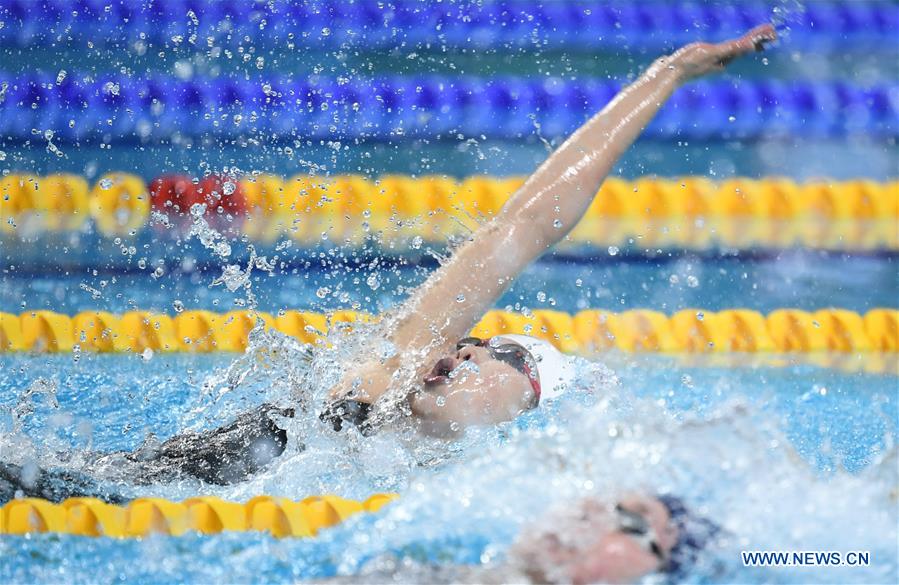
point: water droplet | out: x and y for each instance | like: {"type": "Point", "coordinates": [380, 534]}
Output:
{"type": "Point", "coordinates": [105, 184]}
{"type": "Point", "coordinates": [541, 296]}
{"type": "Point", "coordinates": [686, 380]}
{"type": "Point", "coordinates": [692, 281]}
{"type": "Point", "coordinates": [178, 306]}
{"type": "Point", "coordinates": [416, 242]}
{"type": "Point", "coordinates": [460, 298]}
{"type": "Point", "coordinates": [700, 316]}
{"type": "Point", "coordinates": [613, 250]}
{"type": "Point", "coordinates": [557, 223]}
{"type": "Point", "coordinates": [673, 279]}
{"type": "Point", "coordinates": [146, 355]}
{"type": "Point", "coordinates": [373, 281]}
{"type": "Point", "coordinates": [228, 188]}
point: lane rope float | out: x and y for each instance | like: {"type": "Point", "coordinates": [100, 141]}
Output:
{"type": "Point", "coordinates": [499, 26]}
{"type": "Point", "coordinates": [589, 331]}
{"type": "Point", "coordinates": [280, 517]}
{"type": "Point", "coordinates": [86, 105]}
{"type": "Point", "coordinates": [686, 212]}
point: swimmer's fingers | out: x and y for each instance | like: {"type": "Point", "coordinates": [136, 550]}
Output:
{"type": "Point", "coordinates": [754, 40]}
{"type": "Point", "coordinates": [699, 59]}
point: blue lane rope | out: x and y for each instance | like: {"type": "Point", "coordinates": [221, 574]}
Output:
{"type": "Point", "coordinates": [578, 24]}
{"type": "Point", "coordinates": [88, 107]}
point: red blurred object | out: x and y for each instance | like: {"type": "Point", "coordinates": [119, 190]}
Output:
{"type": "Point", "coordinates": [173, 194]}
{"type": "Point", "coordinates": [217, 191]}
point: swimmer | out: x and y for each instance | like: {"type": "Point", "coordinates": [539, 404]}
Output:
{"type": "Point", "coordinates": [592, 541]}
{"type": "Point", "coordinates": [438, 379]}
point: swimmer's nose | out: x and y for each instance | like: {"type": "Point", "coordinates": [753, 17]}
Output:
{"type": "Point", "coordinates": [471, 353]}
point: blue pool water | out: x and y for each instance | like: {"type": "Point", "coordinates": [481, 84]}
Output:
{"type": "Point", "coordinates": [783, 453]}
{"type": "Point", "coordinates": [801, 279]}
{"type": "Point", "coordinates": [771, 439]}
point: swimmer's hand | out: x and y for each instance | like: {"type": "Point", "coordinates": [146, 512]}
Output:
{"type": "Point", "coordinates": [698, 59]}
{"type": "Point", "coordinates": [365, 382]}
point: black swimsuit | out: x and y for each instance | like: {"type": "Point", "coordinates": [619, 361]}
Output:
{"type": "Point", "coordinates": [222, 456]}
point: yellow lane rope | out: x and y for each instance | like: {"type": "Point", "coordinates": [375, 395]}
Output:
{"type": "Point", "coordinates": [687, 211]}
{"type": "Point", "coordinates": [589, 331]}
{"type": "Point", "coordinates": [280, 517]}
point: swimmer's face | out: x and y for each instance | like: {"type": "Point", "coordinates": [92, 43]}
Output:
{"type": "Point", "coordinates": [474, 369]}
{"type": "Point", "coordinates": [472, 387]}
{"type": "Point", "coordinates": [586, 543]}
{"type": "Point", "coordinates": [618, 557]}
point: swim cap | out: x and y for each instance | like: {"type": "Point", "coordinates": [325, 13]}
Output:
{"type": "Point", "coordinates": [694, 534]}
{"type": "Point", "coordinates": [554, 369]}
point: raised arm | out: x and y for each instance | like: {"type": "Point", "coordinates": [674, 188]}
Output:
{"type": "Point", "coordinates": [557, 195]}
{"type": "Point", "coordinates": [554, 199]}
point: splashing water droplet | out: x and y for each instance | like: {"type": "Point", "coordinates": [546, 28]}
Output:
{"type": "Point", "coordinates": [613, 250]}
{"type": "Point", "coordinates": [178, 306]}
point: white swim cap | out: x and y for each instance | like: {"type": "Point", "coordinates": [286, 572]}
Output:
{"type": "Point", "coordinates": [554, 369]}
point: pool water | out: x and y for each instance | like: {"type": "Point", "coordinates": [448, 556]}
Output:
{"type": "Point", "coordinates": [770, 452]}
{"type": "Point", "coordinates": [768, 447]}
{"type": "Point", "coordinates": [800, 279]}
{"type": "Point", "coordinates": [782, 452]}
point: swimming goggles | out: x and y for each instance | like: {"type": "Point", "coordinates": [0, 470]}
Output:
{"type": "Point", "coordinates": [640, 529]}
{"type": "Point", "coordinates": [509, 353]}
